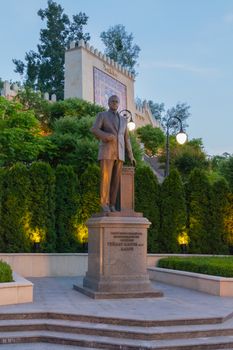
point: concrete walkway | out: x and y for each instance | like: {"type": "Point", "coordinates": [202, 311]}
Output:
{"type": "Point", "coordinates": [57, 295]}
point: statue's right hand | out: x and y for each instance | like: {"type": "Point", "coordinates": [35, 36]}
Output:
{"type": "Point", "coordinates": [110, 137]}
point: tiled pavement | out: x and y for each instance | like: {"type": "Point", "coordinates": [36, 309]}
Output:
{"type": "Point", "coordinates": [57, 295]}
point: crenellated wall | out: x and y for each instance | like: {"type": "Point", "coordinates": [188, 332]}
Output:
{"type": "Point", "coordinates": [80, 59]}
{"type": "Point", "coordinates": [9, 91]}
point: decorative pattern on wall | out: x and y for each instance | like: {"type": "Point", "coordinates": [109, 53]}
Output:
{"type": "Point", "coordinates": [106, 86]}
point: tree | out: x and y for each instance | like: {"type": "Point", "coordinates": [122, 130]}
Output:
{"type": "Point", "coordinates": [67, 209]}
{"type": "Point", "coordinates": [1, 84]}
{"type": "Point", "coordinates": [20, 138]}
{"type": "Point", "coordinates": [32, 100]}
{"type": "Point", "coordinates": [157, 109]}
{"type": "Point", "coordinates": [42, 206]}
{"type": "Point", "coordinates": [226, 169]}
{"type": "Point", "coordinates": [151, 137]}
{"type": "Point", "coordinates": [199, 192]}
{"type": "Point", "coordinates": [44, 70]}
{"type": "Point", "coordinates": [189, 156]}
{"type": "Point", "coordinates": [172, 213]}
{"type": "Point", "coordinates": [71, 143]}
{"type": "Point", "coordinates": [147, 202]}
{"type": "Point", "coordinates": [90, 199]}
{"type": "Point", "coordinates": [219, 204]}
{"type": "Point", "coordinates": [119, 47]}
{"type": "Point", "coordinates": [181, 110]}
{"type": "Point", "coordinates": [14, 236]}
{"type": "Point", "coordinates": [228, 221]}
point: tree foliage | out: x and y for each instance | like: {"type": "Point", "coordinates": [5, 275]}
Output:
{"type": "Point", "coordinates": [119, 47]}
{"type": "Point", "coordinates": [157, 109]}
{"type": "Point", "coordinates": [20, 138]}
{"type": "Point", "coordinates": [44, 70]}
{"type": "Point", "coordinates": [1, 84]}
{"type": "Point", "coordinates": [66, 209]}
{"type": "Point", "coordinates": [14, 237]}
{"type": "Point", "coordinates": [41, 221]}
{"type": "Point", "coordinates": [71, 143]}
{"type": "Point", "coordinates": [189, 156]}
{"type": "Point", "coordinates": [228, 221]}
{"type": "Point", "coordinates": [199, 211]}
{"type": "Point", "coordinates": [181, 110]}
{"type": "Point", "coordinates": [219, 204]}
{"type": "Point", "coordinates": [147, 202]}
{"type": "Point", "coordinates": [173, 213]}
{"type": "Point", "coordinates": [151, 137]}
{"type": "Point", "coordinates": [225, 168]}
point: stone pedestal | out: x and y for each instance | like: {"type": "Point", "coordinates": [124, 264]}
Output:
{"type": "Point", "coordinates": [117, 250]}
{"type": "Point", "coordinates": [117, 253]}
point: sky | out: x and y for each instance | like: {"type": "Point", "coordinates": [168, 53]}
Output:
{"type": "Point", "coordinates": [186, 53]}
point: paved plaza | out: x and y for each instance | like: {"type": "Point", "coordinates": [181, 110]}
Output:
{"type": "Point", "coordinates": [56, 294]}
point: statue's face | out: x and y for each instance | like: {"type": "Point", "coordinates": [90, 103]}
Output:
{"type": "Point", "coordinates": [114, 103]}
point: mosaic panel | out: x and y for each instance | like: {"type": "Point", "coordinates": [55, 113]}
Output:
{"type": "Point", "coordinates": [106, 86]}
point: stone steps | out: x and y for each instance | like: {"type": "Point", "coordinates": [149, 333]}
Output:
{"type": "Point", "coordinates": [110, 343]}
{"type": "Point", "coordinates": [115, 334]}
{"type": "Point", "coordinates": [116, 331]}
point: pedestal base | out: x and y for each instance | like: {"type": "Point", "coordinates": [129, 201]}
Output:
{"type": "Point", "coordinates": [117, 259]}
{"type": "Point", "coordinates": [116, 295]}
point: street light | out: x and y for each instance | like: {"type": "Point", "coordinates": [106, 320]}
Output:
{"type": "Point", "coordinates": [181, 138]}
{"type": "Point", "coordinates": [128, 115]}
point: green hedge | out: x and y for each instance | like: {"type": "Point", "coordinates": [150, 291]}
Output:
{"type": "Point", "coordinates": [14, 210]}
{"type": "Point", "coordinates": [173, 213]}
{"type": "Point", "coordinates": [5, 272]}
{"type": "Point", "coordinates": [216, 266]}
{"type": "Point", "coordinates": [67, 209]}
{"type": "Point", "coordinates": [147, 202]}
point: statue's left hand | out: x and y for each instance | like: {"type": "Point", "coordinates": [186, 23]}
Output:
{"type": "Point", "coordinates": [133, 162]}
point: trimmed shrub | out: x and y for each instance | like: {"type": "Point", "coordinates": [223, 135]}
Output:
{"type": "Point", "coordinates": [41, 221]}
{"type": "Point", "coordinates": [89, 189]}
{"type": "Point", "coordinates": [90, 200]}
{"type": "Point", "coordinates": [147, 202]}
{"type": "Point", "coordinates": [219, 202]}
{"type": "Point", "coordinates": [199, 212]}
{"type": "Point", "coordinates": [228, 222]}
{"type": "Point", "coordinates": [173, 214]}
{"type": "Point", "coordinates": [5, 272]}
{"type": "Point", "coordinates": [14, 211]}
{"type": "Point", "coordinates": [1, 198]}
{"type": "Point", "coordinates": [216, 266]}
{"type": "Point", "coordinates": [67, 208]}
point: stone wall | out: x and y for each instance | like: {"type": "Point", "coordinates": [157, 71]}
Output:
{"type": "Point", "coordinates": [80, 61]}
{"type": "Point", "coordinates": [57, 264]}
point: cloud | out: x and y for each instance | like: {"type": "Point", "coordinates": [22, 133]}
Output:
{"type": "Point", "coordinates": [178, 66]}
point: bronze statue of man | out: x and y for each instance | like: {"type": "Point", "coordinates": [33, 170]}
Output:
{"type": "Point", "coordinates": [111, 129]}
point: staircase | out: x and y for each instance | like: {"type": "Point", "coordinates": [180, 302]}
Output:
{"type": "Point", "coordinates": [114, 333]}
{"type": "Point", "coordinates": [155, 166]}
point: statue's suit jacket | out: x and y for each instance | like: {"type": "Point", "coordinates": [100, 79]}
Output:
{"type": "Point", "coordinates": [108, 123]}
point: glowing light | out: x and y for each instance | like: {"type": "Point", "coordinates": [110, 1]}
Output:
{"type": "Point", "coordinates": [181, 138]}
{"type": "Point", "coordinates": [131, 125]}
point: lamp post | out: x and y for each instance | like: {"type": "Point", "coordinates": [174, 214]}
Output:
{"type": "Point", "coordinates": [181, 138]}
{"type": "Point", "coordinates": [128, 115]}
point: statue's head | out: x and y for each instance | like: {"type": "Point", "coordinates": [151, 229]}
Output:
{"type": "Point", "coordinates": [113, 102]}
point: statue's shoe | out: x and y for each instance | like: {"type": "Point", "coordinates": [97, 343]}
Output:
{"type": "Point", "coordinates": [106, 209]}
{"type": "Point", "coordinates": [112, 208]}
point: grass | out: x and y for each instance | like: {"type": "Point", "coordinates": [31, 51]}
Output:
{"type": "Point", "coordinates": [215, 266]}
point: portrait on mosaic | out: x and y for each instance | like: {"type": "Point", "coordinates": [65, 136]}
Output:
{"type": "Point", "coordinates": [106, 86]}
